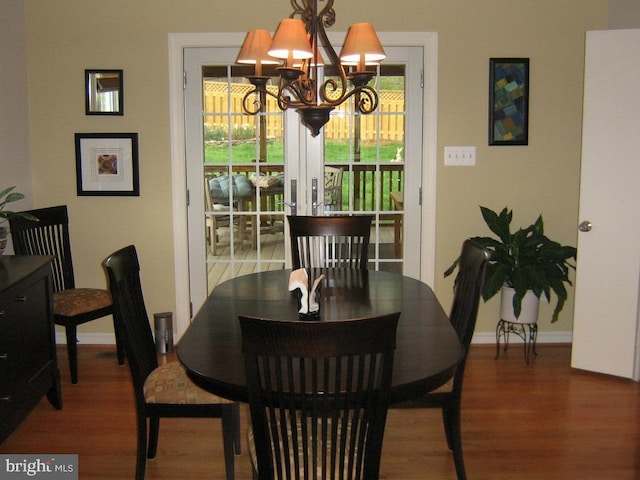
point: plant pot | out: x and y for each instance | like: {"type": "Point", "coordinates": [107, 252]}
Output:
{"type": "Point", "coordinates": [529, 311]}
{"type": "Point", "coordinates": [4, 234]}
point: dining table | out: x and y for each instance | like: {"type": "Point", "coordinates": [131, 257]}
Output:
{"type": "Point", "coordinates": [427, 346]}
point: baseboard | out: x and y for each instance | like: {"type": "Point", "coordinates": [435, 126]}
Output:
{"type": "Point", "coordinates": [478, 338]}
{"type": "Point", "coordinates": [543, 337]}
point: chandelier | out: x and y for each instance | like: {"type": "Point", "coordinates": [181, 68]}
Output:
{"type": "Point", "coordinates": [300, 47]}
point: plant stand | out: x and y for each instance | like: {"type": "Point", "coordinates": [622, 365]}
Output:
{"type": "Point", "coordinates": [525, 326]}
{"type": "Point", "coordinates": [503, 330]}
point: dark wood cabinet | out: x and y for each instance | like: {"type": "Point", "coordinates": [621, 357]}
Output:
{"type": "Point", "coordinates": [28, 366]}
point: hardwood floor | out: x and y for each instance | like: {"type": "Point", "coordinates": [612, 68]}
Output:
{"type": "Point", "coordinates": [538, 421]}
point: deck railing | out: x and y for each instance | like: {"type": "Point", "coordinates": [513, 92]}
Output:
{"type": "Point", "coordinates": [361, 176]}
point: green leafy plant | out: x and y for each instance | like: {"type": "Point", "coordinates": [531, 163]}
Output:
{"type": "Point", "coordinates": [523, 260]}
{"type": "Point", "coordinates": [7, 196]}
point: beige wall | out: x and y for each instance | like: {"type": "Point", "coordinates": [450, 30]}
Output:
{"type": "Point", "coordinates": [64, 38]}
{"type": "Point", "coordinates": [15, 168]}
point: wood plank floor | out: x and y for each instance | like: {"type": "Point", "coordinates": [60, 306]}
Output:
{"type": "Point", "coordinates": [538, 421]}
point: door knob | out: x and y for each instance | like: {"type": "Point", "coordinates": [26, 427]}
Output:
{"type": "Point", "coordinates": [585, 226]}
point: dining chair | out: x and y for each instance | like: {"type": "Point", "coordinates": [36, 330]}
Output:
{"type": "Point", "coordinates": [472, 264]}
{"type": "Point", "coordinates": [71, 306]}
{"type": "Point", "coordinates": [160, 390]}
{"type": "Point", "coordinates": [330, 241]}
{"type": "Point", "coordinates": [318, 395]}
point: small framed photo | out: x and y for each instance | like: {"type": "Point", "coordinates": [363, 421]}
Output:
{"type": "Point", "coordinates": [107, 164]}
{"type": "Point", "coordinates": [104, 92]}
{"type": "Point", "coordinates": [508, 101]}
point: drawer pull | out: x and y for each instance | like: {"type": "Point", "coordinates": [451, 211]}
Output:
{"type": "Point", "coordinates": [1, 313]}
{"type": "Point", "coordinates": [21, 298]}
{"type": "Point", "coordinates": [4, 356]}
{"type": "Point", "coordinates": [6, 398]}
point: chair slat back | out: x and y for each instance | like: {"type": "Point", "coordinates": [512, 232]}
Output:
{"type": "Point", "coordinates": [330, 241]}
{"type": "Point", "coordinates": [318, 395]}
{"type": "Point", "coordinates": [48, 236]}
{"type": "Point", "coordinates": [130, 313]}
{"type": "Point", "coordinates": [468, 287]}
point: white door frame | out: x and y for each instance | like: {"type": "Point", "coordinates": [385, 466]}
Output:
{"type": "Point", "coordinates": [179, 41]}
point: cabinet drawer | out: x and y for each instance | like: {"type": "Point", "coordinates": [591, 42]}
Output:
{"type": "Point", "coordinates": [25, 340]}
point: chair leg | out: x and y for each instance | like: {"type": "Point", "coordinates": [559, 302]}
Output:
{"type": "Point", "coordinates": [451, 417]}
{"type": "Point", "coordinates": [154, 429]}
{"type": "Point", "coordinates": [228, 439]}
{"type": "Point", "coordinates": [236, 429]}
{"type": "Point", "coordinates": [72, 351]}
{"type": "Point", "coordinates": [119, 343]}
{"type": "Point", "coordinates": [141, 450]}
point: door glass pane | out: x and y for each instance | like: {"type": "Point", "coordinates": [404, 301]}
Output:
{"type": "Point", "coordinates": [244, 178]}
{"type": "Point", "coordinates": [365, 155]}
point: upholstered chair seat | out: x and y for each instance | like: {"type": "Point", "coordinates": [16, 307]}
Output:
{"type": "Point", "coordinates": [76, 301]}
{"type": "Point", "coordinates": [170, 384]}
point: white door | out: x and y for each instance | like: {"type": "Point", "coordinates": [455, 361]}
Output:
{"type": "Point", "coordinates": [369, 174]}
{"type": "Point", "coordinates": [605, 335]}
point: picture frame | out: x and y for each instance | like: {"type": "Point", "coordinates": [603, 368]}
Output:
{"type": "Point", "coordinates": [104, 92]}
{"type": "Point", "coordinates": [107, 164]}
{"type": "Point", "coordinates": [508, 101]}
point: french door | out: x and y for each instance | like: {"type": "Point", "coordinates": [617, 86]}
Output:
{"type": "Point", "coordinates": [245, 173]}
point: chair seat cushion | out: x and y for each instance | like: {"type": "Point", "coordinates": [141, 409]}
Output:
{"type": "Point", "coordinates": [76, 301]}
{"type": "Point", "coordinates": [170, 384]}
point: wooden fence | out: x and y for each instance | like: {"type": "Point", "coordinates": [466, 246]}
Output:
{"type": "Point", "coordinates": [387, 121]}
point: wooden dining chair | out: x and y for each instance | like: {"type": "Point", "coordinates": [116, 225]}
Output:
{"type": "Point", "coordinates": [330, 241]}
{"type": "Point", "coordinates": [165, 390]}
{"type": "Point", "coordinates": [318, 395]}
{"type": "Point", "coordinates": [72, 306]}
{"type": "Point", "coordinates": [472, 264]}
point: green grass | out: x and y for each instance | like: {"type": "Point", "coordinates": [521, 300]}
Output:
{"type": "Point", "coordinates": [335, 152]}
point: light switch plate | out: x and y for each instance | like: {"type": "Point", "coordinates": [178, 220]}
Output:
{"type": "Point", "coordinates": [460, 156]}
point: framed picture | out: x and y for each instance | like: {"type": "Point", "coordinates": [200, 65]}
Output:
{"type": "Point", "coordinates": [508, 101]}
{"type": "Point", "coordinates": [107, 164]}
{"type": "Point", "coordinates": [104, 92]}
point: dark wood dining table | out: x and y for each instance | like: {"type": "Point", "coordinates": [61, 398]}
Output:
{"type": "Point", "coordinates": [427, 347]}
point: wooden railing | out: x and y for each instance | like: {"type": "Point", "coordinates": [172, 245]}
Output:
{"type": "Point", "coordinates": [392, 180]}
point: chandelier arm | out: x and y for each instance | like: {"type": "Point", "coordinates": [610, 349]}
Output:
{"type": "Point", "coordinates": [258, 104]}
{"type": "Point", "coordinates": [298, 9]}
{"type": "Point", "coordinates": [330, 85]}
{"type": "Point", "coordinates": [327, 14]}
{"type": "Point", "coordinates": [296, 89]}
{"type": "Point", "coordinates": [326, 18]}
{"type": "Point", "coordinates": [366, 99]}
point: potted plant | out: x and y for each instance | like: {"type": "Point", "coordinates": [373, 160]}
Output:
{"type": "Point", "coordinates": [7, 196]}
{"type": "Point", "coordinates": [525, 260]}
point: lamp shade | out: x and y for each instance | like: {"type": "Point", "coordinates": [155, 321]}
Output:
{"type": "Point", "coordinates": [317, 54]}
{"type": "Point", "coordinates": [362, 46]}
{"type": "Point", "coordinates": [291, 41]}
{"type": "Point", "coordinates": [254, 50]}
